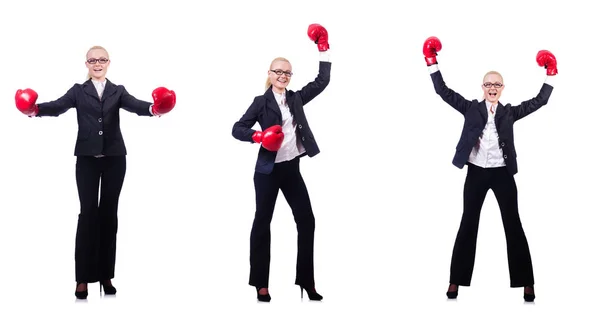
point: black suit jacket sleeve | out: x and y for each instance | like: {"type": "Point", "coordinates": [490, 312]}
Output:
{"type": "Point", "coordinates": [59, 106]}
{"type": "Point", "coordinates": [314, 88]}
{"type": "Point", "coordinates": [528, 107]}
{"type": "Point", "coordinates": [449, 96]}
{"type": "Point", "coordinates": [132, 104]}
{"type": "Point", "coordinates": [242, 129]}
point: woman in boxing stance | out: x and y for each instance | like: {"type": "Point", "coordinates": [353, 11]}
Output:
{"type": "Point", "coordinates": [285, 138]}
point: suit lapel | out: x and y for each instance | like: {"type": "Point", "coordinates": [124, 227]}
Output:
{"type": "Point", "coordinates": [272, 103]}
{"type": "Point", "coordinates": [109, 89]}
{"type": "Point", "coordinates": [289, 99]}
{"type": "Point", "coordinates": [483, 111]}
{"type": "Point", "coordinates": [500, 111]}
{"type": "Point", "coordinates": [88, 88]}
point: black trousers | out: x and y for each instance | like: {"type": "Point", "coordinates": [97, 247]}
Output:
{"type": "Point", "coordinates": [285, 176]}
{"type": "Point", "coordinates": [96, 239]}
{"type": "Point", "coordinates": [478, 182]}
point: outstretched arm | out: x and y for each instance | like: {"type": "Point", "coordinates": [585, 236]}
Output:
{"type": "Point", "coordinates": [164, 102]}
{"type": "Point", "coordinates": [132, 104]}
{"type": "Point", "coordinates": [26, 103]}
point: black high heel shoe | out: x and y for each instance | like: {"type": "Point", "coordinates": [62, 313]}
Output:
{"type": "Point", "coordinates": [452, 294]}
{"type": "Point", "coordinates": [313, 295]}
{"type": "Point", "coordinates": [81, 294]}
{"type": "Point", "coordinates": [109, 289]}
{"type": "Point", "coordinates": [262, 298]}
{"type": "Point", "coordinates": [528, 297]}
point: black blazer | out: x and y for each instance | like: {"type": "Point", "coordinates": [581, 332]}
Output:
{"type": "Point", "coordinates": [476, 115]}
{"type": "Point", "coordinates": [265, 110]}
{"type": "Point", "coordinates": [99, 130]}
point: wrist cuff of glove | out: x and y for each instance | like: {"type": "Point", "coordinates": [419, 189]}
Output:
{"type": "Point", "coordinates": [322, 46]}
{"type": "Point", "coordinates": [257, 136]}
{"type": "Point", "coordinates": [33, 112]}
{"type": "Point", "coordinates": [433, 68]}
{"type": "Point", "coordinates": [431, 61]}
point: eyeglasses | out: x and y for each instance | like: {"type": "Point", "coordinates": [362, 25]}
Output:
{"type": "Point", "coordinates": [92, 61]}
{"type": "Point", "coordinates": [496, 85]}
{"type": "Point", "coordinates": [279, 72]}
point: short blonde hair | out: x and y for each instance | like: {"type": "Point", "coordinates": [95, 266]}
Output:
{"type": "Point", "coordinates": [268, 83]}
{"type": "Point", "coordinates": [493, 72]}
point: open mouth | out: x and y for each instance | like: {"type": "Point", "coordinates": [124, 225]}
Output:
{"type": "Point", "coordinates": [493, 94]}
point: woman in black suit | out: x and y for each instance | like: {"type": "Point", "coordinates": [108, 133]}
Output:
{"type": "Point", "coordinates": [100, 152]}
{"type": "Point", "coordinates": [285, 138]}
{"type": "Point", "coordinates": [487, 146]}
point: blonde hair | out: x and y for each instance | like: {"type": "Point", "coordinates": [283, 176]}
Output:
{"type": "Point", "coordinates": [493, 72]}
{"type": "Point", "coordinates": [96, 47]}
{"type": "Point", "coordinates": [268, 83]}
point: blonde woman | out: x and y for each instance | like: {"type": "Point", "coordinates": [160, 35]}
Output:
{"type": "Point", "coordinates": [487, 146]}
{"type": "Point", "coordinates": [285, 138]}
{"type": "Point", "coordinates": [100, 165]}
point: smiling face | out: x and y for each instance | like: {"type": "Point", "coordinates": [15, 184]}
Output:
{"type": "Point", "coordinates": [280, 75]}
{"type": "Point", "coordinates": [97, 62]}
{"type": "Point", "coordinates": [492, 86]}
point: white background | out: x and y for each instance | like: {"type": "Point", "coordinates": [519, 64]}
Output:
{"type": "Point", "coordinates": [386, 197]}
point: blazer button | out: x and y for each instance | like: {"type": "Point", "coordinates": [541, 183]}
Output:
{"type": "Point", "coordinates": [505, 156]}
{"type": "Point", "coordinates": [302, 138]}
{"type": "Point", "coordinates": [99, 120]}
{"type": "Point", "coordinates": [300, 126]}
{"type": "Point", "coordinates": [100, 133]}
{"type": "Point", "coordinates": [502, 144]}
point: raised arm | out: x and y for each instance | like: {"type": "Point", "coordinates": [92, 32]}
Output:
{"type": "Point", "coordinates": [547, 60]}
{"type": "Point", "coordinates": [431, 46]}
{"type": "Point", "coordinates": [320, 36]}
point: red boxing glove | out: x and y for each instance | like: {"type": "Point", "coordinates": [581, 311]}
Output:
{"type": "Point", "coordinates": [431, 47]}
{"type": "Point", "coordinates": [547, 60]}
{"type": "Point", "coordinates": [25, 101]}
{"type": "Point", "coordinates": [164, 101]}
{"type": "Point", "coordinates": [318, 34]}
{"type": "Point", "coordinates": [271, 138]}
